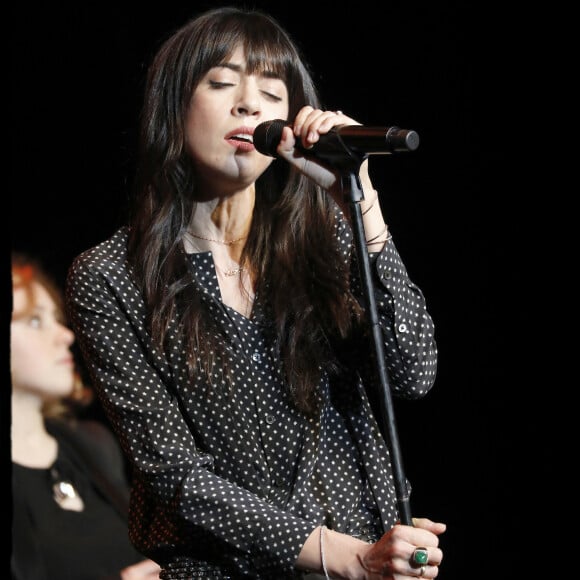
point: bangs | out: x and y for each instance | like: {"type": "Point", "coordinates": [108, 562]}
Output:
{"type": "Point", "coordinates": [269, 56]}
{"type": "Point", "coordinates": [267, 49]}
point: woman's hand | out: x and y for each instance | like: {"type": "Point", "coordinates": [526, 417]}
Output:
{"type": "Point", "coordinates": [392, 557]}
{"type": "Point", "coordinates": [306, 129]}
{"type": "Point", "coordinates": [144, 570]}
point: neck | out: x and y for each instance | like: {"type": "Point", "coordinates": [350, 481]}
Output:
{"type": "Point", "coordinates": [32, 445]}
{"type": "Point", "coordinates": [224, 218]}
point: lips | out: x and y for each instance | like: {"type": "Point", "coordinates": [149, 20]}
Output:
{"type": "Point", "coordinates": [242, 138]}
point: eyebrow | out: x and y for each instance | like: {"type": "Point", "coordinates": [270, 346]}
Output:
{"type": "Point", "coordinates": [46, 309]}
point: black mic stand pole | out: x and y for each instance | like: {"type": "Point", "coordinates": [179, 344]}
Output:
{"type": "Point", "coordinates": [349, 165]}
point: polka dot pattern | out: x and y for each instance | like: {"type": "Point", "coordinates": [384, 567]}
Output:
{"type": "Point", "coordinates": [236, 477]}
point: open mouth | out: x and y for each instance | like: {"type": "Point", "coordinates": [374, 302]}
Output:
{"type": "Point", "coordinates": [242, 137]}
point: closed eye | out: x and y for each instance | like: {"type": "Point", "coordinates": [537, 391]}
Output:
{"type": "Point", "coordinates": [272, 96]}
{"type": "Point", "coordinates": [219, 85]}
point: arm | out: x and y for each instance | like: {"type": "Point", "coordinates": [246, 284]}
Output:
{"type": "Point", "coordinates": [408, 331]}
{"type": "Point", "coordinates": [410, 346]}
{"type": "Point", "coordinates": [346, 558]}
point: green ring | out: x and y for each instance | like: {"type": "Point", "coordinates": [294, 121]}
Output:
{"type": "Point", "coordinates": [420, 556]}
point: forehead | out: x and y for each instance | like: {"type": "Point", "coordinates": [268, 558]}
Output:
{"type": "Point", "coordinates": [256, 58]}
{"type": "Point", "coordinates": [234, 61]}
{"type": "Point", "coordinates": [237, 55]}
{"type": "Point", "coordinates": [35, 296]}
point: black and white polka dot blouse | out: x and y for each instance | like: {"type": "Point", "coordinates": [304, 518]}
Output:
{"type": "Point", "coordinates": [235, 480]}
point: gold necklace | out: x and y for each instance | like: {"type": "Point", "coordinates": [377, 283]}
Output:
{"type": "Point", "coordinates": [232, 272]}
{"type": "Point", "coordinates": [225, 242]}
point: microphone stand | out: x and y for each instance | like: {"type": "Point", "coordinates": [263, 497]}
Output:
{"type": "Point", "coordinates": [348, 162]}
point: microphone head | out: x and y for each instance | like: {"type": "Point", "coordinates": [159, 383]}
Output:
{"type": "Point", "coordinates": [412, 140]}
{"type": "Point", "coordinates": [402, 139]}
{"type": "Point", "coordinates": [267, 136]}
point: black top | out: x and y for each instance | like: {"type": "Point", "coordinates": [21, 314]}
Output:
{"type": "Point", "coordinates": [52, 543]}
{"type": "Point", "coordinates": [236, 476]}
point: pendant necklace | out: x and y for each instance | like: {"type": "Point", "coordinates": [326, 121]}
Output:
{"type": "Point", "coordinates": [238, 271]}
{"type": "Point", "coordinates": [64, 493]}
{"type": "Point", "coordinates": [232, 272]}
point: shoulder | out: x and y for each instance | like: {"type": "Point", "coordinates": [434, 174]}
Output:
{"type": "Point", "coordinates": [89, 433]}
{"type": "Point", "coordinates": [96, 433]}
{"type": "Point", "coordinates": [109, 254]}
{"type": "Point", "coordinates": [102, 272]}
{"type": "Point", "coordinates": [93, 440]}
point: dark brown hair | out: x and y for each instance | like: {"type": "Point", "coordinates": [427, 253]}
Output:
{"type": "Point", "coordinates": [291, 247]}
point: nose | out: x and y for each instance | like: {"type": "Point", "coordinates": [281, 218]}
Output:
{"type": "Point", "coordinates": [65, 334]}
{"type": "Point", "coordinates": [248, 99]}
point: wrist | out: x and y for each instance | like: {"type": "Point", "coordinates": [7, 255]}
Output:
{"type": "Point", "coordinates": [343, 556]}
{"type": "Point", "coordinates": [379, 239]}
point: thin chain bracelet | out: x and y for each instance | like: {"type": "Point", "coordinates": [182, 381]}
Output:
{"type": "Point", "coordinates": [322, 556]}
{"type": "Point", "coordinates": [375, 241]}
{"type": "Point", "coordinates": [389, 237]}
{"type": "Point", "coordinates": [383, 231]}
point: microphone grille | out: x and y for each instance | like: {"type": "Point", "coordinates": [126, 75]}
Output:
{"type": "Point", "coordinates": [267, 136]}
{"type": "Point", "coordinates": [412, 140]}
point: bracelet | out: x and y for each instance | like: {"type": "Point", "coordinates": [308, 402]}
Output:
{"type": "Point", "coordinates": [389, 237]}
{"type": "Point", "coordinates": [375, 242]}
{"type": "Point", "coordinates": [322, 556]}
{"type": "Point", "coordinates": [372, 204]}
{"type": "Point", "coordinates": [378, 235]}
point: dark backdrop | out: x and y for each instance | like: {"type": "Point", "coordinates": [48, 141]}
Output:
{"type": "Point", "coordinates": [441, 68]}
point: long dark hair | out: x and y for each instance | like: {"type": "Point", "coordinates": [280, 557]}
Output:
{"type": "Point", "coordinates": [301, 275]}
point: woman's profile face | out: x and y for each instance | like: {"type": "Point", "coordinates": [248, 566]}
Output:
{"type": "Point", "coordinates": [226, 106]}
{"type": "Point", "coordinates": [41, 361]}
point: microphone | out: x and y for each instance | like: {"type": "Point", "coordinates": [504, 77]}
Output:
{"type": "Point", "coordinates": [350, 140]}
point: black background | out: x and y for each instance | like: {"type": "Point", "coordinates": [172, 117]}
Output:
{"type": "Point", "coordinates": [452, 71]}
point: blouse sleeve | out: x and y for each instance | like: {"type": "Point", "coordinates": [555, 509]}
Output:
{"type": "Point", "coordinates": [407, 327]}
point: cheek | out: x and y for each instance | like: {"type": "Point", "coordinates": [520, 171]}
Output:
{"type": "Point", "coordinates": [199, 140]}
{"type": "Point", "coordinates": [24, 358]}
{"type": "Point", "coordinates": [200, 123]}
{"type": "Point", "coordinates": [34, 369]}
